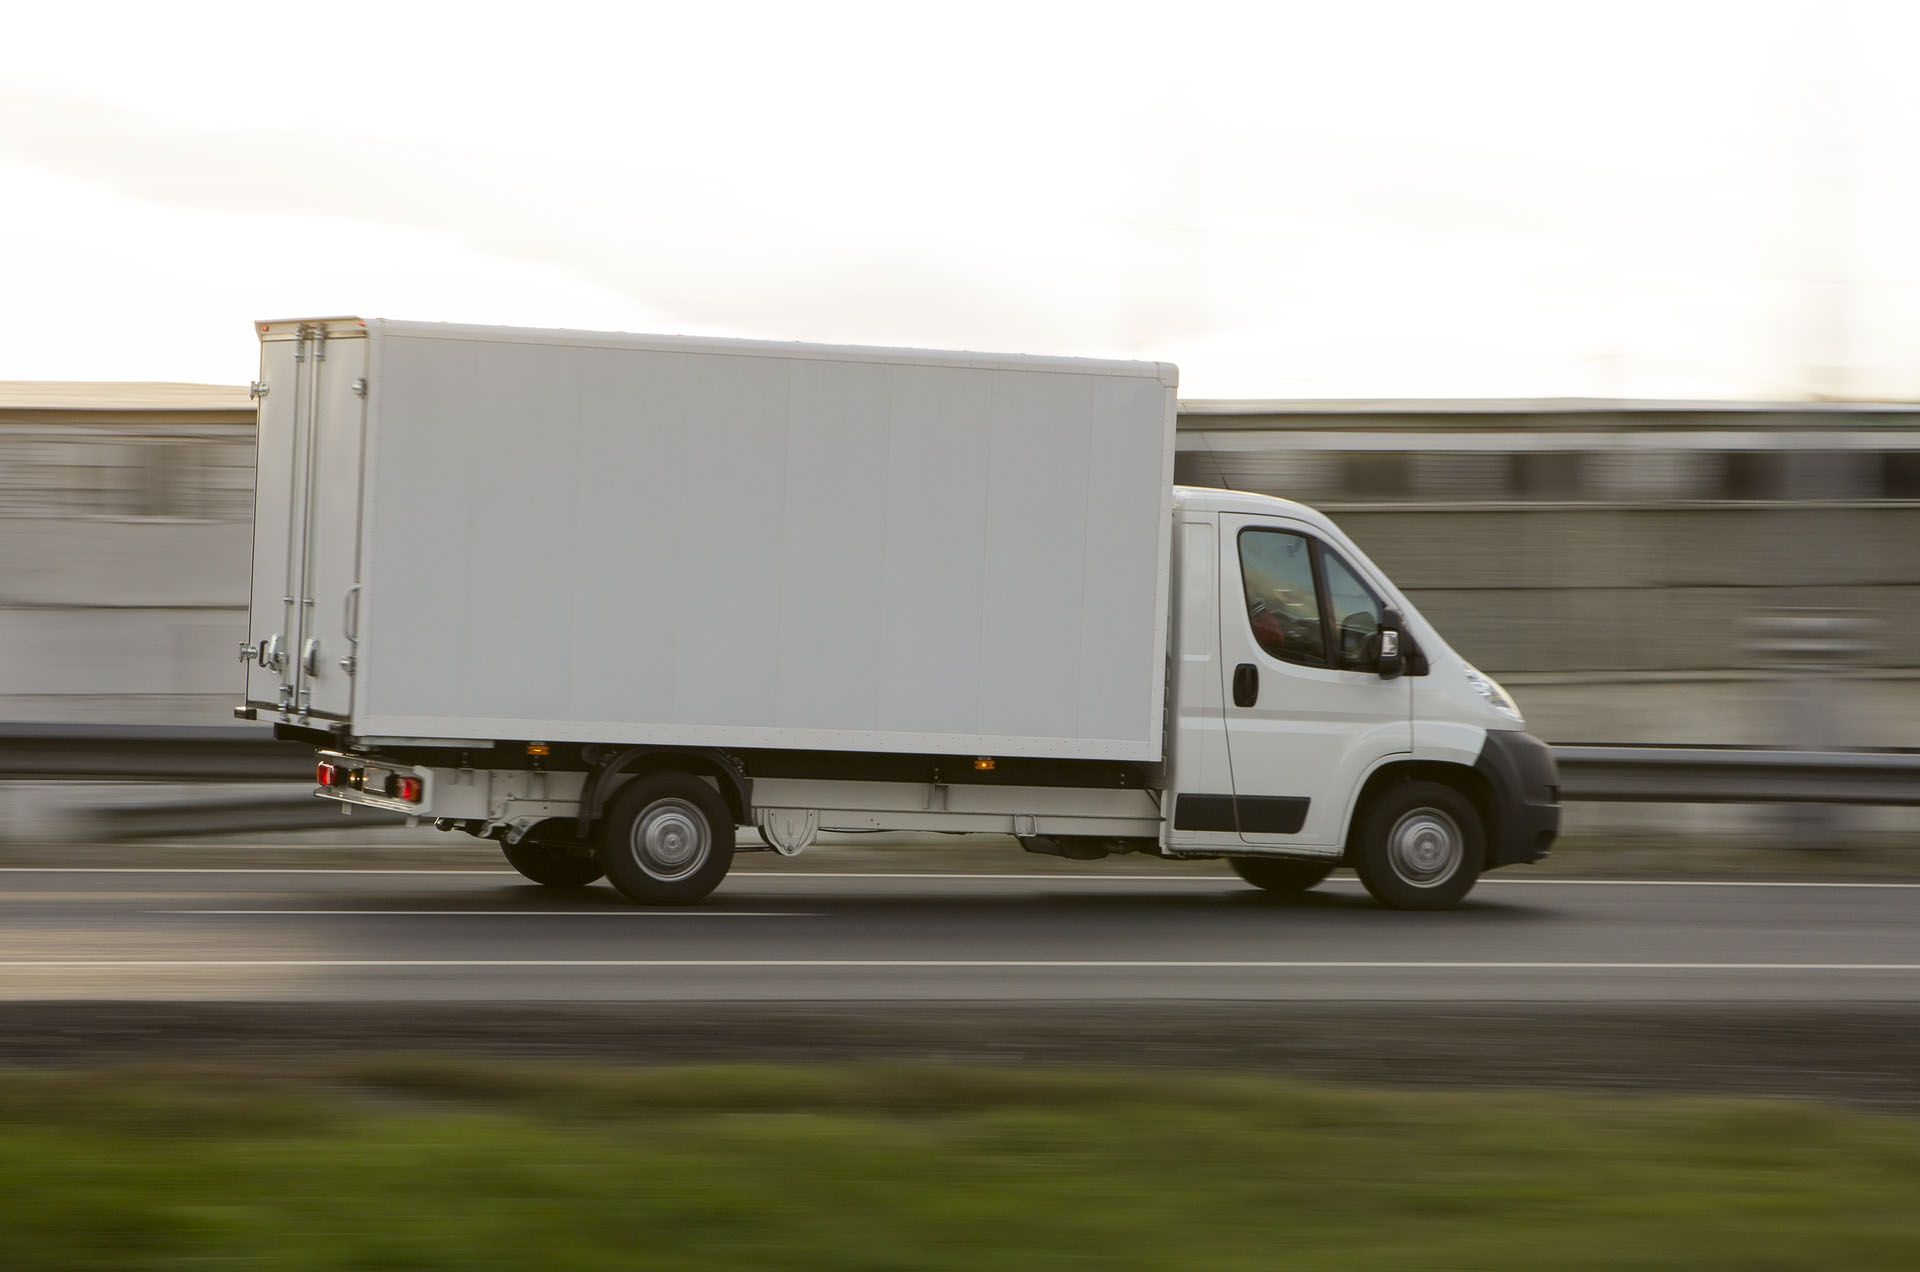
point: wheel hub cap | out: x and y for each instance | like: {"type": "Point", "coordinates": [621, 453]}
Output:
{"type": "Point", "coordinates": [670, 841]}
{"type": "Point", "coordinates": [1425, 847]}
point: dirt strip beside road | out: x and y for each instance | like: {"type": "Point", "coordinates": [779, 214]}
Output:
{"type": "Point", "coordinates": [1863, 1056]}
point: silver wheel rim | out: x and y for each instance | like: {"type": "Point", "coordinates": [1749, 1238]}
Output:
{"type": "Point", "coordinates": [671, 840]}
{"type": "Point", "coordinates": [1425, 848]}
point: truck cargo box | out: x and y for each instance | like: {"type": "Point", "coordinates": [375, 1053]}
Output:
{"type": "Point", "coordinates": [468, 533]}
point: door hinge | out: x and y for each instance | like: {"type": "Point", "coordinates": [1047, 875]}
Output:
{"type": "Point", "coordinates": [258, 390]}
{"type": "Point", "coordinates": [360, 386]}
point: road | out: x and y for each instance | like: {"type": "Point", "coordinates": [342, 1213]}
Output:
{"type": "Point", "coordinates": [774, 934]}
{"type": "Point", "coordinates": [1772, 989]}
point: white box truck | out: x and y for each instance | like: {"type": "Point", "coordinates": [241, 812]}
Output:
{"type": "Point", "coordinates": [608, 598]}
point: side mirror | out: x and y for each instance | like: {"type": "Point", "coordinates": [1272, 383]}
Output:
{"type": "Point", "coordinates": [1391, 664]}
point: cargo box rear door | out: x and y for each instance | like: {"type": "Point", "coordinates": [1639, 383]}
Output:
{"type": "Point", "coordinates": [329, 594]}
{"type": "Point", "coordinates": [307, 518]}
{"type": "Point", "coordinates": [284, 391]}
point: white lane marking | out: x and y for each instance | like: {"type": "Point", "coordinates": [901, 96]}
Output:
{"type": "Point", "coordinates": [779, 876]}
{"type": "Point", "coordinates": [782, 876]}
{"type": "Point", "coordinates": [247, 870]}
{"type": "Point", "coordinates": [775, 876]}
{"type": "Point", "coordinates": [975, 963]}
{"type": "Point", "coordinates": [630, 913]}
{"type": "Point", "coordinates": [962, 875]}
{"type": "Point", "coordinates": [1699, 883]}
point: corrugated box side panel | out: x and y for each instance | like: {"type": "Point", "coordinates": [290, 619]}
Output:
{"type": "Point", "coordinates": [770, 548]}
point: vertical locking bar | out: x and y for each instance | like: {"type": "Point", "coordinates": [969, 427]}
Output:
{"type": "Point", "coordinates": [302, 526]}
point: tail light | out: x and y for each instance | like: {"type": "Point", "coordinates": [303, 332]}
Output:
{"type": "Point", "coordinates": [327, 773]}
{"type": "Point", "coordinates": [406, 788]}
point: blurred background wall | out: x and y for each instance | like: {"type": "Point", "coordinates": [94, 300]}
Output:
{"type": "Point", "coordinates": [125, 536]}
{"type": "Point", "coordinates": [1636, 572]}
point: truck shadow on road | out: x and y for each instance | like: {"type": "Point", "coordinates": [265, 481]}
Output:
{"type": "Point", "coordinates": [1229, 902]}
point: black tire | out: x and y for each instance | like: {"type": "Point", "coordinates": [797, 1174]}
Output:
{"type": "Point", "coordinates": [1418, 846]}
{"type": "Point", "coordinates": [666, 840]}
{"type": "Point", "coordinates": [553, 862]}
{"type": "Point", "coordinates": [1281, 874]}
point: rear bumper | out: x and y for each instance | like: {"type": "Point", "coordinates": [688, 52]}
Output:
{"type": "Point", "coordinates": [1525, 784]}
{"type": "Point", "coordinates": [370, 780]}
{"type": "Point", "coordinates": [488, 798]}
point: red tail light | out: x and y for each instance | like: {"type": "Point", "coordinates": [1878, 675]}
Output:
{"type": "Point", "coordinates": [400, 786]}
{"type": "Point", "coordinates": [327, 773]}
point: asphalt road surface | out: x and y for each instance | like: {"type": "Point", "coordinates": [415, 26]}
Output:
{"type": "Point", "coordinates": [1772, 989]}
{"type": "Point", "coordinates": [773, 934]}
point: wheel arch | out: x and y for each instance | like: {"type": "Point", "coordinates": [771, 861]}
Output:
{"type": "Point", "coordinates": [1468, 781]}
{"type": "Point", "coordinates": [635, 762]}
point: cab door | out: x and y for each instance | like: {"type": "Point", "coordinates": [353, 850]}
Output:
{"type": "Point", "coordinates": [1307, 712]}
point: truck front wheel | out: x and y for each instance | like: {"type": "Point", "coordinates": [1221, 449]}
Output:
{"type": "Point", "coordinates": [1419, 846]}
{"type": "Point", "coordinates": [666, 840]}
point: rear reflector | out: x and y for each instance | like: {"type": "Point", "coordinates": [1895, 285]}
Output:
{"type": "Point", "coordinates": [327, 773]}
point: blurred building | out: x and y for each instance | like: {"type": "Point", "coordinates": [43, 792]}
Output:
{"type": "Point", "coordinates": [1621, 565]}
{"type": "Point", "coordinates": [1636, 571]}
{"type": "Point", "coordinates": [125, 516]}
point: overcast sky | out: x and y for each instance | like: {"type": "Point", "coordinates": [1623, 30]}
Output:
{"type": "Point", "coordinates": [1317, 200]}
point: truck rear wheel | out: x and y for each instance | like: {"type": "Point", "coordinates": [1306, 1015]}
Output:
{"type": "Point", "coordinates": [1419, 846]}
{"type": "Point", "coordinates": [666, 840]}
{"type": "Point", "coordinates": [553, 864]}
{"type": "Point", "coordinates": [1281, 874]}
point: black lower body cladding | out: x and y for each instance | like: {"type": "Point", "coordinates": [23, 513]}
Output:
{"type": "Point", "coordinates": [1526, 796]}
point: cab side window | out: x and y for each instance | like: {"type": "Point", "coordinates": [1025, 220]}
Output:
{"type": "Point", "coordinates": [1283, 606]}
{"type": "Point", "coordinates": [1356, 613]}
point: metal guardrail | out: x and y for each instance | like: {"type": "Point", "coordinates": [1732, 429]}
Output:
{"type": "Point", "coordinates": [269, 812]}
{"type": "Point", "coordinates": [1737, 775]}
{"type": "Point", "coordinates": [156, 753]}
{"type": "Point", "coordinates": [242, 753]}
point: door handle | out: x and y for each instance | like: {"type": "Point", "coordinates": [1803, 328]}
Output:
{"type": "Point", "coordinates": [1246, 685]}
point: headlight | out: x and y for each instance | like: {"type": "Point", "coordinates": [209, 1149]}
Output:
{"type": "Point", "coordinates": [1489, 688]}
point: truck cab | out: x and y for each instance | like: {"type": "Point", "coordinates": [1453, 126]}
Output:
{"type": "Point", "coordinates": [1318, 718]}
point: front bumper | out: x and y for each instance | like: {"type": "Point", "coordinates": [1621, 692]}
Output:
{"type": "Point", "coordinates": [1525, 785]}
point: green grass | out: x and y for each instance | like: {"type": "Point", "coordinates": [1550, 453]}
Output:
{"type": "Point", "coordinates": [399, 1163]}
